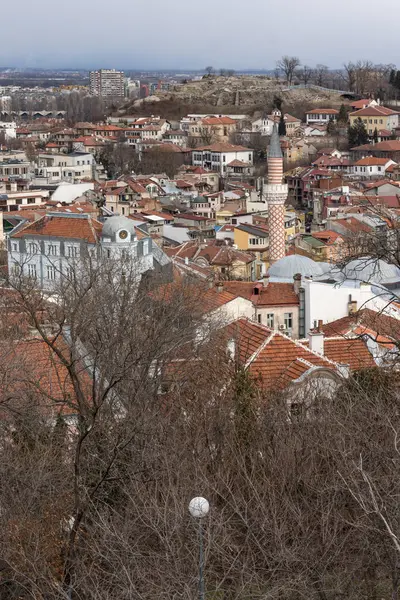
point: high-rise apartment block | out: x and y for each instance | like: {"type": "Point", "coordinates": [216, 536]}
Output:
{"type": "Point", "coordinates": [107, 82]}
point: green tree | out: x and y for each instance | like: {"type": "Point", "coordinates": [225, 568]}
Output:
{"type": "Point", "coordinates": [342, 116]}
{"type": "Point", "coordinates": [357, 133]}
{"type": "Point", "coordinates": [282, 125]}
{"type": "Point", "coordinates": [375, 137]}
{"type": "Point", "coordinates": [331, 128]}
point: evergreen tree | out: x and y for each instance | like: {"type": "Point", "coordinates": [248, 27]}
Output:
{"type": "Point", "coordinates": [392, 77]}
{"type": "Point", "coordinates": [357, 133]}
{"type": "Point", "coordinates": [282, 126]}
{"type": "Point", "coordinates": [375, 137]}
{"type": "Point", "coordinates": [397, 81]}
{"type": "Point", "coordinates": [342, 116]}
{"type": "Point", "coordinates": [331, 128]}
{"type": "Point", "coordinates": [278, 102]}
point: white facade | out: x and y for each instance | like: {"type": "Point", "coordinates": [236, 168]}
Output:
{"type": "Point", "coordinates": [48, 259]}
{"type": "Point", "coordinates": [321, 118]}
{"type": "Point", "coordinates": [328, 302]}
{"type": "Point", "coordinates": [9, 130]}
{"type": "Point", "coordinates": [54, 168]}
{"type": "Point", "coordinates": [372, 170]}
{"type": "Point", "coordinates": [217, 160]}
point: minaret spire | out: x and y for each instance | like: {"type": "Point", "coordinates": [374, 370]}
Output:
{"type": "Point", "coordinates": [276, 195]}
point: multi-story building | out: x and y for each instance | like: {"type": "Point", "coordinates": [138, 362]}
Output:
{"type": "Point", "coordinates": [107, 83]}
{"type": "Point", "coordinates": [376, 117]}
{"type": "Point", "coordinates": [54, 168]}
{"type": "Point", "coordinates": [54, 247]}
{"type": "Point", "coordinates": [217, 157]}
{"type": "Point", "coordinates": [321, 116]}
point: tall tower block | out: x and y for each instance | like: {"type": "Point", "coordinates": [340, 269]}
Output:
{"type": "Point", "coordinates": [276, 195]}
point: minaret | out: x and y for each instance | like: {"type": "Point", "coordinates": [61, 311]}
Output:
{"type": "Point", "coordinates": [276, 194]}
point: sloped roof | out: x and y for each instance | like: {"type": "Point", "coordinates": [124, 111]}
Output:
{"type": "Point", "coordinates": [78, 227]}
{"type": "Point", "coordinates": [274, 294]}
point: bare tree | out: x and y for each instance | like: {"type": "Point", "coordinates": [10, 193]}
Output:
{"type": "Point", "coordinates": [305, 74]}
{"type": "Point", "coordinates": [288, 65]}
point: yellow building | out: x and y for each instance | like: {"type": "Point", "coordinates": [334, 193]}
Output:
{"type": "Point", "coordinates": [255, 239]}
{"type": "Point", "coordinates": [376, 117]}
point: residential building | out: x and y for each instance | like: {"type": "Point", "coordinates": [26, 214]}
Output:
{"type": "Point", "coordinates": [51, 247]}
{"type": "Point", "coordinates": [264, 124]}
{"type": "Point", "coordinates": [376, 117]}
{"type": "Point", "coordinates": [107, 83]}
{"type": "Point", "coordinates": [276, 305]}
{"type": "Point", "coordinates": [15, 168]}
{"type": "Point", "coordinates": [321, 116]}
{"type": "Point", "coordinates": [371, 166]}
{"type": "Point", "coordinates": [212, 129]}
{"type": "Point", "coordinates": [73, 167]}
{"type": "Point", "coordinates": [217, 157]}
{"type": "Point", "coordinates": [326, 246]}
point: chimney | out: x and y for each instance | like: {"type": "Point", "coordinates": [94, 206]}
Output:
{"type": "Point", "coordinates": [265, 280]}
{"type": "Point", "coordinates": [351, 306]}
{"type": "Point", "coordinates": [219, 286]}
{"type": "Point", "coordinates": [297, 283]}
{"type": "Point", "coordinates": [186, 260]}
{"type": "Point", "coordinates": [316, 339]}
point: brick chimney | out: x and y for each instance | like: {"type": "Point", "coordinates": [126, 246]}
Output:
{"type": "Point", "coordinates": [316, 339]}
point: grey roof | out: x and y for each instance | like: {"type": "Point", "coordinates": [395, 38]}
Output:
{"type": "Point", "coordinates": [274, 149]}
{"type": "Point", "coordinates": [114, 224]}
{"type": "Point", "coordinates": [252, 229]}
{"type": "Point", "coordinates": [287, 267]}
{"type": "Point", "coordinates": [368, 269]}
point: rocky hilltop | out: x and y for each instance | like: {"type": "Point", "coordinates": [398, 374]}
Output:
{"type": "Point", "coordinates": [245, 91]}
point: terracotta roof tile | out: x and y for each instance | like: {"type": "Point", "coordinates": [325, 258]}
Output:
{"type": "Point", "coordinates": [79, 227]}
{"type": "Point", "coordinates": [275, 294]}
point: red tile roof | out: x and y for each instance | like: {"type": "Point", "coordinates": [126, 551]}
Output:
{"type": "Point", "coordinates": [79, 227]}
{"type": "Point", "coordinates": [348, 351]}
{"type": "Point", "coordinates": [223, 147]}
{"type": "Point", "coordinates": [374, 111]}
{"type": "Point", "coordinates": [322, 111]}
{"type": "Point", "coordinates": [218, 121]}
{"type": "Point", "coordinates": [369, 161]}
{"type": "Point", "coordinates": [275, 294]}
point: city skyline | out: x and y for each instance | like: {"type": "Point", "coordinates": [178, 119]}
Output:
{"type": "Point", "coordinates": [210, 37]}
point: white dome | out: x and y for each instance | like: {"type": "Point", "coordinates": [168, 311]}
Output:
{"type": "Point", "coordinates": [114, 224]}
{"type": "Point", "coordinates": [369, 269]}
{"type": "Point", "coordinates": [287, 267]}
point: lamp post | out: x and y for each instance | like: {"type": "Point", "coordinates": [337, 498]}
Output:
{"type": "Point", "coordinates": [199, 508]}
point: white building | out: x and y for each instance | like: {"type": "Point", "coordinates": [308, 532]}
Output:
{"type": "Point", "coordinates": [53, 247]}
{"type": "Point", "coordinates": [370, 166]}
{"type": "Point", "coordinates": [9, 130]}
{"type": "Point", "coordinates": [216, 157]}
{"type": "Point", "coordinates": [54, 168]}
{"type": "Point", "coordinates": [321, 116]}
{"type": "Point", "coordinates": [107, 83]}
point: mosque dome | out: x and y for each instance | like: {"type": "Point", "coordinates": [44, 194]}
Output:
{"type": "Point", "coordinates": [288, 266]}
{"type": "Point", "coordinates": [370, 270]}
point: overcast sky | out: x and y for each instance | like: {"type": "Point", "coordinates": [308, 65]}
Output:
{"type": "Point", "coordinates": [182, 34]}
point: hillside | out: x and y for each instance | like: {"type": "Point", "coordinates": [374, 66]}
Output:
{"type": "Point", "coordinates": [238, 94]}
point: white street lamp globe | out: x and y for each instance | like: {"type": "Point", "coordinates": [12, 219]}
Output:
{"type": "Point", "coordinates": [199, 507]}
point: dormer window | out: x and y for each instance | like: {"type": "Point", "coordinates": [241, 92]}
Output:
{"type": "Point", "coordinates": [256, 291]}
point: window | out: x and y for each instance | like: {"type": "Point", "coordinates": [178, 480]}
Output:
{"type": "Point", "coordinates": [52, 250]}
{"type": "Point", "coordinates": [72, 251]}
{"type": "Point", "coordinates": [15, 269]}
{"type": "Point", "coordinates": [288, 319]}
{"type": "Point", "coordinates": [32, 271]}
{"type": "Point", "coordinates": [381, 121]}
{"type": "Point", "coordinates": [32, 248]}
{"type": "Point", "coordinates": [224, 158]}
{"type": "Point", "coordinates": [379, 168]}
{"type": "Point", "coordinates": [51, 273]}
{"type": "Point", "coordinates": [375, 121]}
{"type": "Point", "coordinates": [270, 320]}
{"type": "Point", "coordinates": [249, 157]}
{"type": "Point", "coordinates": [259, 318]}
{"type": "Point", "coordinates": [15, 246]}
